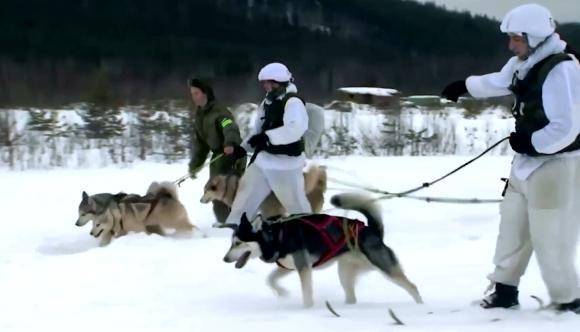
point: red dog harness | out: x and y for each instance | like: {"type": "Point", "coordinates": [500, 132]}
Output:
{"type": "Point", "coordinates": [350, 230]}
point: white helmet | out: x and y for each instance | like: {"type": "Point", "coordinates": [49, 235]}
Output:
{"type": "Point", "coordinates": [533, 20]}
{"type": "Point", "coordinates": [275, 72]}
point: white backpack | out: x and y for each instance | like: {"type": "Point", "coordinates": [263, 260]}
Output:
{"type": "Point", "coordinates": [315, 128]}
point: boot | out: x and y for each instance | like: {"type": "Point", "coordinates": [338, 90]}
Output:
{"type": "Point", "coordinates": [505, 296]}
{"type": "Point", "coordinates": [573, 306]}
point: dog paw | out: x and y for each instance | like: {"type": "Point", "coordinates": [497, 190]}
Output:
{"type": "Point", "coordinates": [308, 304]}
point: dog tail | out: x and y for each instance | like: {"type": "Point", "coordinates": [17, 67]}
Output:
{"type": "Point", "coordinates": [363, 204]}
{"type": "Point", "coordinates": [163, 188]}
{"type": "Point", "coordinates": [315, 178]}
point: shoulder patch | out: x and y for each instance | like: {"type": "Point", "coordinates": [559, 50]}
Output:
{"type": "Point", "coordinates": [226, 122]}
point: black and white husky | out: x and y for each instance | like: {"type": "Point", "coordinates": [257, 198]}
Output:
{"type": "Point", "coordinates": [303, 242]}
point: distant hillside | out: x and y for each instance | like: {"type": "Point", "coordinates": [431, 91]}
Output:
{"type": "Point", "coordinates": [53, 51]}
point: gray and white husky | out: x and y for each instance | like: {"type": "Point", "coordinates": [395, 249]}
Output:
{"type": "Point", "coordinates": [115, 215]}
{"type": "Point", "coordinates": [304, 242]}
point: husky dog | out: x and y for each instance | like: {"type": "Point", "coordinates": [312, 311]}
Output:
{"type": "Point", "coordinates": [224, 187]}
{"type": "Point", "coordinates": [114, 215]}
{"type": "Point", "coordinates": [303, 242]}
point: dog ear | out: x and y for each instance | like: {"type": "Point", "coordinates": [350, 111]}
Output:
{"type": "Point", "coordinates": [92, 204]}
{"type": "Point", "coordinates": [257, 223]}
{"type": "Point", "coordinates": [85, 197]}
{"type": "Point", "coordinates": [244, 219]}
{"type": "Point", "coordinates": [245, 223]}
{"type": "Point", "coordinates": [207, 184]}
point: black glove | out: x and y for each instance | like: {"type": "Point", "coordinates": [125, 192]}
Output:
{"type": "Point", "coordinates": [238, 153]}
{"type": "Point", "coordinates": [259, 141]}
{"type": "Point", "coordinates": [572, 51]}
{"type": "Point", "coordinates": [522, 143]}
{"type": "Point", "coordinates": [454, 90]}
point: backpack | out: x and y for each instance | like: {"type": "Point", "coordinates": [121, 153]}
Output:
{"type": "Point", "coordinates": [315, 128]}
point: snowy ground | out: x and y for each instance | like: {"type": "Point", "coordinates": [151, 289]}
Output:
{"type": "Point", "coordinates": [54, 277]}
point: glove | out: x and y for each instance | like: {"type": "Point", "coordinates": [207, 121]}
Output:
{"type": "Point", "coordinates": [454, 90]}
{"type": "Point", "coordinates": [572, 51]}
{"type": "Point", "coordinates": [259, 141]}
{"type": "Point", "coordinates": [238, 153]}
{"type": "Point", "coordinates": [522, 143]}
{"type": "Point", "coordinates": [230, 160]}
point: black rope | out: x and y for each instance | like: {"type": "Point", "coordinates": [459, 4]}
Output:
{"type": "Point", "coordinates": [453, 200]}
{"type": "Point", "coordinates": [387, 194]}
{"type": "Point", "coordinates": [254, 155]}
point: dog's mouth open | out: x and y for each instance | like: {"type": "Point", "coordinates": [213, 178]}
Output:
{"type": "Point", "coordinates": [243, 260]}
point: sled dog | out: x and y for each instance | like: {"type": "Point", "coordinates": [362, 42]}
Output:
{"type": "Point", "coordinates": [224, 187]}
{"type": "Point", "coordinates": [115, 215]}
{"type": "Point", "coordinates": [304, 242]}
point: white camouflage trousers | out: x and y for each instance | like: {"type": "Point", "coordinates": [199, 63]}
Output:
{"type": "Point", "coordinates": [542, 215]}
{"type": "Point", "coordinates": [255, 186]}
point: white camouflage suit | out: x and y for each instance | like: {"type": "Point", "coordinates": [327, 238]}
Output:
{"type": "Point", "coordinates": [541, 209]}
{"type": "Point", "coordinates": [281, 174]}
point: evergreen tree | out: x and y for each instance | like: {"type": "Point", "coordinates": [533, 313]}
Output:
{"type": "Point", "coordinates": [47, 122]}
{"type": "Point", "coordinates": [101, 116]}
{"type": "Point", "coordinates": [177, 132]}
{"type": "Point", "coordinates": [146, 126]}
{"type": "Point", "coordinates": [9, 136]}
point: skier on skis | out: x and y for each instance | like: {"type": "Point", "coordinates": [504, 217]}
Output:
{"type": "Point", "coordinates": [541, 206]}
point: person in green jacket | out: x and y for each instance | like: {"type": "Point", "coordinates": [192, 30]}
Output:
{"type": "Point", "coordinates": [215, 130]}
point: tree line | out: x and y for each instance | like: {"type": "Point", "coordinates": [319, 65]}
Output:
{"type": "Point", "coordinates": [53, 52]}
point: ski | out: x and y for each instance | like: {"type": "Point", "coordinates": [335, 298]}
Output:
{"type": "Point", "coordinates": [329, 307]}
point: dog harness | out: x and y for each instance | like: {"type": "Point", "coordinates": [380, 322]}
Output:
{"type": "Point", "coordinates": [124, 198]}
{"type": "Point", "coordinates": [328, 227]}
